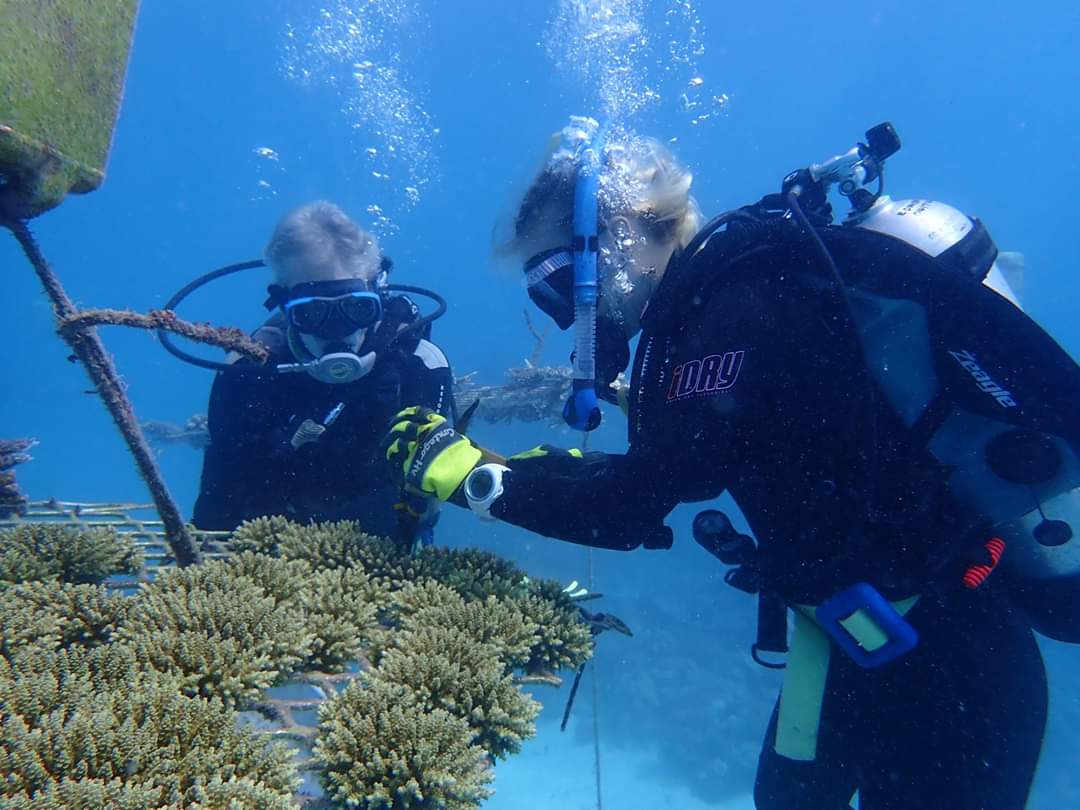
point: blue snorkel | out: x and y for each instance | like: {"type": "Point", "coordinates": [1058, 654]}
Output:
{"type": "Point", "coordinates": [582, 408]}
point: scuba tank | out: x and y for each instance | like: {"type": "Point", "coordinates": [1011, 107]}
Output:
{"type": "Point", "coordinates": [974, 381]}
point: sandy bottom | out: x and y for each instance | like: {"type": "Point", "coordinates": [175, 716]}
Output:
{"type": "Point", "coordinates": [553, 771]}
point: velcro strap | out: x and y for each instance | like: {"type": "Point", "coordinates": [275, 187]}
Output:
{"type": "Point", "coordinates": [431, 448]}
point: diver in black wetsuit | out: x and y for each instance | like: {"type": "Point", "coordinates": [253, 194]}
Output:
{"type": "Point", "coordinates": [888, 420]}
{"type": "Point", "coordinates": [304, 444]}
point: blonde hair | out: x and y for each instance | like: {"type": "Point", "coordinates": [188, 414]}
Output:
{"type": "Point", "coordinates": [318, 242]}
{"type": "Point", "coordinates": [640, 176]}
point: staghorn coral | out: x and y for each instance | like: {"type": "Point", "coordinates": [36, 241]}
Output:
{"type": "Point", "coordinates": [44, 551]}
{"type": "Point", "coordinates": [263, 535]}
{"type": "Point", "coordinates": [445, 668]}
{"type": "Point", "coordinates": [327, 545]}
{"type": "Point", "coordinates": [217, 631]}
{"type": "Point", "coordinates": [89, 794]}
{"type": "Point", "coordinates": [284, 580]}
{"type": "Point", "coordinates": [90, 728]}
{"type": "Point", "coordinates": [494, 621]}
{"type": "Point", "coordinates": [413, 597]}
{"type": "Point", "coordinates": [424, 594]}
{"type": "Point", "coordinates": [384, 561]}
{"type": "Point", "coordinates": [412, 734]}
{"type": "Point", "coordinates": [23, 624]}
{"type": "Point", "coordinates": [83, 615]}
{"type": "Point", "coordinates": [564, 641]}
{"type": "Point", "coordinates": [379, 749]}
{"type": "Point", "coordinates": [225, 792]}
{"type": "Point", "coordinates": [340, 544]}
{"type": "Point", "coordinates": [473, 573]}
{"type": "Point", "coordinates": [341, 607]}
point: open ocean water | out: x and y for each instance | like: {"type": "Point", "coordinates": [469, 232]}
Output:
{"type": "Point", "coordinates": [425, 119]}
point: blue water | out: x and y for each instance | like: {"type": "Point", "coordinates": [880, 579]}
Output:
{"type": "Point", "coordinates": [982, 94]}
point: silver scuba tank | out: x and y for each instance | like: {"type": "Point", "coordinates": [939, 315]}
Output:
{"type": "Point", "coordinates": [1038, 519]}
{"type": "Point", "coordinates": [1040, 524]}
{"type": "Point", "coordinates": [934, 228]}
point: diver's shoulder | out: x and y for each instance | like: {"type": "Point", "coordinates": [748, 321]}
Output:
{"type": "Point", "coordinates": [430, 355]}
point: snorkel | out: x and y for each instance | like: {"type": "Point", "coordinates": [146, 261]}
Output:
{"type": "Point", "coordinates": [582, 408]}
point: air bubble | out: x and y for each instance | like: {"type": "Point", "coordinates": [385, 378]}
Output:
{"type": "Point", "coordinates": [356, 48]}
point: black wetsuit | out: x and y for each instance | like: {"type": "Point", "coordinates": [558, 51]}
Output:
{"type": "Point", "coordinates": [752, 379]}
{"type": "Point", "coordinates": [251, 469]}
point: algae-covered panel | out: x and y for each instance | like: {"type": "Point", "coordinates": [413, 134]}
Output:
{"type": "Point", "coordinates": [62, 65]}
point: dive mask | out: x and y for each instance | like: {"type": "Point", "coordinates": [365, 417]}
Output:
{"type": "Point", "coordinates": [549, 279]}
{"type": "Point", "coordinates": [329, 310]}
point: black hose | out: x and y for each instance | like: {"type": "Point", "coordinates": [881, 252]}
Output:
{"type": "Point", "coordinates": [171, 347]}
{"type": "Point", "coordinates": [167, 339]}
{"type": "Point", "coordinates": [841, 290]}
{"type": "Point", "coordinates": [440, 306]}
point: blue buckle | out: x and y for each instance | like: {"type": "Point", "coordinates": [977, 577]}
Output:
{"type": "Point", "coordinates": [861, 607]}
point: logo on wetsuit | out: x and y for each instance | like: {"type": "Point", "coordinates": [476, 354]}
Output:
{"type": "Point", "coordinates": [709, 375]}
{"type": "Point", "coordinates": [967, 362]}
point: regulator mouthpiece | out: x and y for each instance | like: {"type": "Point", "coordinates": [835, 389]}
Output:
{"type": "Point", "coordinates": [335, 368]}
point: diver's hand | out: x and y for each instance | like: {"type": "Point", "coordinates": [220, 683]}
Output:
{"type": "Point", "coordinates": [433, 457]}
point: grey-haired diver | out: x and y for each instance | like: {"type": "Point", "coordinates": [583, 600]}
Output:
{"type": "Point", "coordinates": [890, 423]}
{"type": "Point", "coordinates": [299, 436]}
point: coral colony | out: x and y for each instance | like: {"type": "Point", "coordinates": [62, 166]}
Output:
{"type": "Point", "coordinates": [156, 699]}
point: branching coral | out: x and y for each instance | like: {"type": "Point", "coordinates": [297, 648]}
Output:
{"type": "Point", "coordinates": [564, 641]}
{"type": "Point", "coordinates": [342, 607]}
{"type": "Point", "coordinates": [445, 668]}
{"type": "Point", "coordinates": [66, 615]}
{"type": "Point", "coordinates": [126, 702]}
{"type": "Point", "coordinates": [380, 749]}
{"type": "Point", "coordinates": [263, 535]}
{"type": "Point", "coordinates": [217, 631]}
{"type": "Point", "coordinates": [89, 794]}
{"type": "Point", "coordinates": [83, 725]}
{"type": "Point", "coordinates": [326, 545]}
{"type": "Point", "coordinates": [285, 580]}
{"type": "Point", "coordinates": [473, 573]}
{"type": "Point", "coordinates": [493, 621]}
{"type": "Point", "coordinates": [43, 551]}
{"type": "Point", "coordinates": [423, 595]}
{"type": "Point", "coordinates": [23, 625]}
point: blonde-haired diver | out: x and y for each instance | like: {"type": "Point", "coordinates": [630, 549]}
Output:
{"type": "Point", "coordinates": [891, 426]}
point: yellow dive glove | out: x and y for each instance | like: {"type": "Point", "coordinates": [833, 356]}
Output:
{"type": "Point", "coordinates": [433, 457]}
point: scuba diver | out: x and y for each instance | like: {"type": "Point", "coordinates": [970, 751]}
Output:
{"type": "Point", "coordinates": [901, 438]}
{"type": "Point", "coordinates": [299, 435]}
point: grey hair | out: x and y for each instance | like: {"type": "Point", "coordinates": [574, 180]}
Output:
{"type": "Point", "coordinates": [318, 242]}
